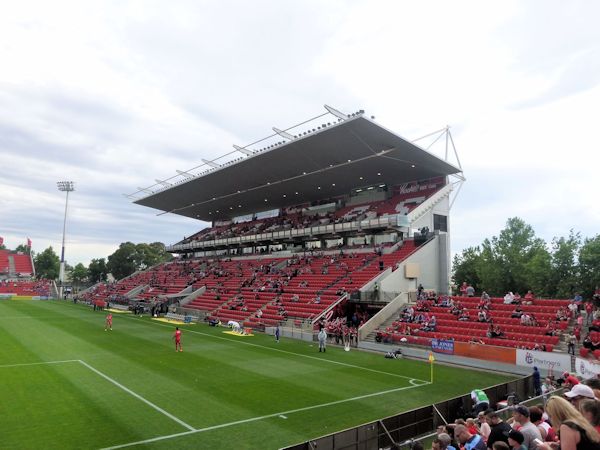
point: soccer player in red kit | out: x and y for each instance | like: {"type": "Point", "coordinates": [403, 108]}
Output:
{"type": "Point", "coordinates": [108, 324]}
{"type": "Point", "coordinates": [177, 337]}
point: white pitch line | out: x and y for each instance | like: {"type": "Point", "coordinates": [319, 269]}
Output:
{"type": "Point", "coordinates": [139, 397]}
{"type": "Point", "coordinates": [254, 419]}
{"type": "Point", "coordinates": [301, 355]}
{"type": "Point", "coordinates": [39, 363]}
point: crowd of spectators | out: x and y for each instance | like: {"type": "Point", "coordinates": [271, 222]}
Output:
{"type": "Point", "coordinates": [567, 422]}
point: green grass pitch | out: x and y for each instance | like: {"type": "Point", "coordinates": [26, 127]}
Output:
{"type": "Point", "coordinates": [65, 383]}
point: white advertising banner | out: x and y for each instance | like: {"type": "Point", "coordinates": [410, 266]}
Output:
{"type": "Point", "coordinates": [585, 368]}
{"type": "Point", "coordinates": [558, 362]}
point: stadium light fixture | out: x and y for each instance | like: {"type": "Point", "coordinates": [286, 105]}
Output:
{"type": "Point", "coordinates": [64, 186]}
{"type": "Point", "coordinates": [242, 150]}
{"type": "Point", "coordinates": [283, 134]}
{"type": "Point", "coordinates": [340, 115]}
{"type": "Point", "coordinates": [184, 173]}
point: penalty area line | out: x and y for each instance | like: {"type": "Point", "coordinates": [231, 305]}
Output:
{"type": "Point", "coordinates": [39, 363]}
{"type": "Point", "coordinates": [281, 414]}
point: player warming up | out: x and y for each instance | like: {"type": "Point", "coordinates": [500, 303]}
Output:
{"type": "Point", "coordinates": [177, 337]}
{"type": "Point", "coordinates": [108, 324]}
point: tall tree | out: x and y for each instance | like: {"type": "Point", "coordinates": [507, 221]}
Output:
{"type": "Point", "coordinates": [47, 264]}
{"type": "Point", "coordinates": [515, 247]}
{"type": "Point", "coordinates": [79, 274]}
{"type": "Point", "coordinates": [589, 265]}
{"type": "Point", "coordinates": [23, 249]}
{"type": "Point", "coordinates": [123, 262]}
{"type": "Point", "coordinates": [564, 274]}
{"type": "Point", "coordinates": [491, 271]}
{"type": "Point", "coordinates": [465, 267]}
{"type": "Point", "coordinates": [97, 270]}
{"type": "Point", "coordinates": [130, 257]}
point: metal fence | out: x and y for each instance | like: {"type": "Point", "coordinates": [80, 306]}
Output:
{"type": "Point", "coordinates": [400, 430]}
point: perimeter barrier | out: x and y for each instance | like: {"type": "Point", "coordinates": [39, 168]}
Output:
{"type": "Point", "coordinates": [403, 428]}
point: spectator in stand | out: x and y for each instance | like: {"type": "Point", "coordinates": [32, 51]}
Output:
{"type": "Point", "coordinates": [573, 308]}
{"type": "Point", "coordinates": [515, 440]}
{"type": "Point", "coordinates": [575, 432]}
{"type": "Point", "coordinates": [484, 427]}
{"type": "Point", "coordinates": [463, 289]}
{"type": "Point", "coordinates": [529, 297]}
{"type": "Point", "coordinates": [536, 415]}
{"type": "Point", "coordinates": [500, 445]}
{"type": "Point", "coordinates": [470, 291]}
{"type": "Point", "coordinates": [537, 382]}
{"type": "Point", "coordinates": [570, 338]}
{"type": "Point", "coordinates": [529, 430]}
{"type": "Point", "coordinates": [499, 428]}
{"type": "Point", "coordinates": [467, 440]}
{"type": "Point", "coordinates": [569, 380]}
{"type": "Point", "coordinates": [578, 393]}
{"type": "Point", "coordinates": [445, 441]}
{"type": "Point", "coordinates": [485, 296]}
{"type": "Point", "coordinates": [464, 315]}
{"type": "Point", "coordinates": [590, 409]}
{"type": "Point", "coordinates": [508, 298]}
{"type": "Point", "coordinates": [589, 313]}
{"type": "Point", "coordinates": [517, 312]}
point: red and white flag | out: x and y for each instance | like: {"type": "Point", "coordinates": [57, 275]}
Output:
{"type": "Point", "coordinates": [28, 242]}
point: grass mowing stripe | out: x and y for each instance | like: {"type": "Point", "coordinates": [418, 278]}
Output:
{"type": "Point", "coordinates": [139, 397]}
{"type": "Point", "coordinates": [38, 363]}
{"type": "Point", "coordinates": [411, 380]}
{"type": "Point", "coordinates": [268, 416]}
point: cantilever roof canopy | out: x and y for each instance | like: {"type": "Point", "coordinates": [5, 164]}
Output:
{"type": "Point", "coordinates": [329, 163]}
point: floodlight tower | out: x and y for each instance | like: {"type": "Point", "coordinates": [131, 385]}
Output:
{"type": "Point", "coordinates": [64, 186]}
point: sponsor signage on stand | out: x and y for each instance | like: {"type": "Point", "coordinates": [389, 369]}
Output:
{"type": "Point", "coordinates": [558, 362]}
{"type": "Point", "coordinates": [586, 368]}
{"type": "Point", "coordinates": [442, 346]}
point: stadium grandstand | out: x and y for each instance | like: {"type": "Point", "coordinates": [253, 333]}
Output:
{"type": "Point", "coordinates": [17, 278]}
{"type": "Point", "coordinates": [334, 216]}
{"type": "Point", "coordinates": [335, 224]}
{"type": "Point", "coordinates": [15, 265]}
{"type": "Point", "coordinates": [338, 223]}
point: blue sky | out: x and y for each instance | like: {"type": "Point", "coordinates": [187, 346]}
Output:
{"type": "Point", "coordinates": [113, 95]}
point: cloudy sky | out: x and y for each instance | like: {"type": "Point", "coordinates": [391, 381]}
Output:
{"type": "Point", "coordinates": [113, 95]}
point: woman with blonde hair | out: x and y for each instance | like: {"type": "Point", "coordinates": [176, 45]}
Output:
{"type": "Point", "coordinates": [574, 431]}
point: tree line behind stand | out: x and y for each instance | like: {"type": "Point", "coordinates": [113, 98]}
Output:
{"type": "Point", "coordinates": [517, 261]}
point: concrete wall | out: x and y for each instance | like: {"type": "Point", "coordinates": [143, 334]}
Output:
{"type": "Point", "coordinates": [427, 257]}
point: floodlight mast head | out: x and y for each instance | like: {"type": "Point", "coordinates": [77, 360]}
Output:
{"type": "Point", "coordinates": [64, 186]}
{"type": "Point", "coordinates": [67, 186]}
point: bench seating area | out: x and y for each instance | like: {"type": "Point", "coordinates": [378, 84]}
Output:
{"type": "Point", "coordinates": [39, 288]}
{"type": "Point", "coordinates": [515, 334]}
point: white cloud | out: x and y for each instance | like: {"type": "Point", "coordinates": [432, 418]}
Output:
{"type": "Point", "coordinates": [114, 95]}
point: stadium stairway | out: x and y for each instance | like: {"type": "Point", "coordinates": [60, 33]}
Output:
{"type": "Point", "coordinates": [11, 265]}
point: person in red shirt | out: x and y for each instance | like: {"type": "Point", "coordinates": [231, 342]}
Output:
{"type": "Point", "coordinates": [108, 324]}
{"type": "Point", "coordinates": [177, 337]}
{"type": "Point", "coordinates": [570, 380]}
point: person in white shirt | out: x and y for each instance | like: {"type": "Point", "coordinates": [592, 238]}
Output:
{"type": "Point", "coordinates": [235, 326]}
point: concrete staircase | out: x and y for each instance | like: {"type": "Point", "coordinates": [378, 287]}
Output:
{"type": "Point", "coordinates": [388, 323]}
{"type": "Point", "coordinates": [11, 265]}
